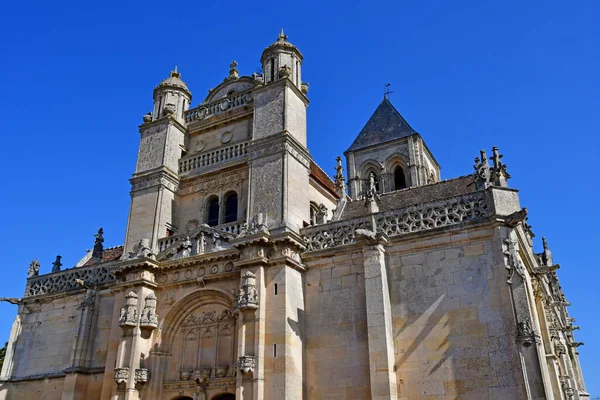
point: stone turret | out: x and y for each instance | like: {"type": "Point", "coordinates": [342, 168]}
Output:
{"type": "Point", "coordinates": [282, 60]}
{"type": "Point", "coordinates": [171, 98]}
{"type": "Point", "coordinates": [156, 179]}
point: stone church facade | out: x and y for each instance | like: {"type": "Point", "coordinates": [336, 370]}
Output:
{"type": "Point", "coordinates": [248, 273]}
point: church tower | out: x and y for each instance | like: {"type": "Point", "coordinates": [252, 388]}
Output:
{"type": "Point", "coordinates": [279, 159]}
{"type": "Point", "coordinates": [155, 181]}
{"type": "Point", "coordinates": [392, 151]}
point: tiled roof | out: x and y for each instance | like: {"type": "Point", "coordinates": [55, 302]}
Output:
{"type": "Point", "coordinates": [320, 176]}
{"type": "Point", "coordinates": [412, 196]}
{"type": "Point", "coordinates": [109, 254]}
{"type": "Point", "coordinates": [385, 124]}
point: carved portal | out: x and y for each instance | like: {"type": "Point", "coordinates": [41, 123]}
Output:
{"type": "Point", "coordinates": [204, 347]}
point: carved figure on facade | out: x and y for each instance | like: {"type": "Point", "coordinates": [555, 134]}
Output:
{"type": "Point", "coordinates": [147, 118]}
{"type": "Point", "coordinates": [56, 264]}
{"type": "Point", "coordinates": [525, 333]}
{"type": "Point", "coordinates": [247, 297]}
{"type": "Point", "coordinates": [34, 269]}
{"type": "Point", "coordinates": [142, 250]}
{"type": "Point", "coordinates": [321, 214]}
{"type": "Point", "coordinates": [512, 260]}
{"type": "Point", "coordinates": [128, 316]}
{"type": "Point", "coordinates": [246, 365]}
{"type": "Point", "coordinates": [258, 224]}
{"type": "Point", "coordinates": [149, 318]}
{"type": "Point", "coordinates": [98, 246]}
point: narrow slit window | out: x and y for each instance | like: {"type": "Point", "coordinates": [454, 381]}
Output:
{"type": "Point", "coordinates": [275, 289]}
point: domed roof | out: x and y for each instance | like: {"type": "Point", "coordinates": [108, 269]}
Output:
{"type": "Point", "coordinates": [282, 43]}
{"type": "Point", "coordinates": [174, 81]}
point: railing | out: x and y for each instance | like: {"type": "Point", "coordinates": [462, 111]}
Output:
{"type": "Point", "coordinates": [422, 217]}
{"type": "Point", "coordinates": [210, 158]}
{"type": "Point", "coordinates": [166, 242]}
{"type": "Point", "coordinates": [93, 275]}
{"type": "Point", "coordinates": [231, 227]}
{"type": "Point", "coordinates": [219, 106]}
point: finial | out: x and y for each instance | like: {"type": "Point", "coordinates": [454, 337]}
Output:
{"type": "Point", "coordinates": [282, 36]}
{"type": "Point", "coordinates": [339, 180]}
{"type": "Point", "coordinates": [233, 72]}
{"type": "Point", "coordinates": [545, 243]}
{"type": "Point", "coordinates": [499, 174]}
{"type": "Point", "coordinates": [175, 73]}
{"type": "Point", "coordinates": [387, 91]}
{"type": "Point", "coordinates": [56, 264]}
{"type": "Point", "coordinates": [482, 171]}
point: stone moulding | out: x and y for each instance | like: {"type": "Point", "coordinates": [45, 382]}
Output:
{"type": "Point", "coordinates": [67, 280]}
{"type": "Point", "coordinates": [418, 218]}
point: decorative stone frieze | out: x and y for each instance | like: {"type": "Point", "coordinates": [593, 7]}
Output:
{"type": "Point", "coordinates": [129, 315]}
{"type": "Point", "coordinates": [142, 375]}
{"type": "Point", "coordinates": [149, 318]}
{"type": "Point", "coordinates": [247, 297]}
{"type": "Point", "coordinates": [121, 375]}
{"type": "Point", "coordinates": [67, 280]}
{"type": "Point", "coordinates": [246, 365]}
{"type": "Point", "coordinates": [403, 221]}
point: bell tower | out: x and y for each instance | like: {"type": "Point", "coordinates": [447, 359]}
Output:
{"type": "Point", "coordinates": [156, 180]}
{"type": "Point", "coordinates": [279, 159]}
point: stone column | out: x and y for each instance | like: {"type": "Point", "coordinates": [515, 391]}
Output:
{"type": "Point", "coordinates": [379, 318]}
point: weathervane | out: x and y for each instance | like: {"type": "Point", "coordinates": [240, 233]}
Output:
{"type": "Point", "coordinates": [387, 91]}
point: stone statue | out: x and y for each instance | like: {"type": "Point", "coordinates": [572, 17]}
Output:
{"type": "Point", "coordinates": [98, 246]}
{"type": "Point", "coordinates": [34, 269]}
{"type": "Point", "coordinates": [187, 247]}
{"type": "Point", "coordinates": [56, 264]}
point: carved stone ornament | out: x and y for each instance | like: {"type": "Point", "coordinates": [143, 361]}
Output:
{"type": "Point", "coordinates": [513, 262]}
{"type": "Point", "coordinates": [258, 224]}
{"type": "Point", "coordinates": [142, 375]}
{"type": "Point", "coordinates": [304, 87]}
{"type": "Point", "coordinates": [559, 348]}
{"type": "Point", "coordinates": [121, 375]}
{"type": "Point", "coordinates": [247, 297]}
{"type": "Point", "coordinates": [56, 264]}
{"type": "Point", "coordinates": [169, 109]}
{"type": "Point", "coordinates": [482, 171]}
{"type": "Point", "coordinates": [149, 318]}
{"type": "Point", "coordinates": [147, 118]}
{"type": "Point", "coordinates": [322, 214]}
{"type": "Point", "coordinates": [98, 246]}
{"type": "Point", "coordinates": [128, 316]}
{"type": "Point", "coordinates": [284, 71]}
{"type": "Point", "coordinates": [525, 333]}
{"type": "Point", "coordinates": [246, 365]}
{"type": "Point", "coordinates": [499, 176]}
{"type": "Point", "coordinates": [34, 269]}
{"type": "Point", "coordinates": [142, 250]}
{"type": "Point", "coordinates": [339, 180]}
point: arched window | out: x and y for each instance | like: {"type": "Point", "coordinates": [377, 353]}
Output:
{"type": "Point", "coordinates": [231, 207]}
{"type": "Point", "coordinates": [212, 215]}
{"type": "Point", "coordinates": [367, 181]}
{"type": "Point", "coordinates": [399, 179]}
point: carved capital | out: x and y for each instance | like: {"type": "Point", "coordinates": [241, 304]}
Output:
{"type": "Point", "coordinates": [121, 375]}
{"type": "Point", "coordinates": [246, 365]}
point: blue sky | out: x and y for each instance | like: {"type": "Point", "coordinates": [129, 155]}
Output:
{"type": "Point", "coordinates": [76, 79]}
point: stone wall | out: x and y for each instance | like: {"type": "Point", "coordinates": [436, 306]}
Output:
{"type": "Point", "coordinates": [451, 319]}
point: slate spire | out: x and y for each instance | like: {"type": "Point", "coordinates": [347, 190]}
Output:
{"type": "Point", "coordinates": [385, 124]}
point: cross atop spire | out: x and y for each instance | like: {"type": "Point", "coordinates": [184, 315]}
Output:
{"type": "Point", "coordinates": [282, 36]}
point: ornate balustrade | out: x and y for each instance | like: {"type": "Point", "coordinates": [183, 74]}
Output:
{"type": "Point", "coordinates": [67, 280]}
{"type": "Point", "coordinates": [211, 158]}
{"type": "Point", "coordinates": [418, 218]}
{"type": "Point", "coordinates": [204, 111]}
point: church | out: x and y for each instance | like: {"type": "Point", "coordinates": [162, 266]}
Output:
{"type": "Point", "coordinates": [247, 272]}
